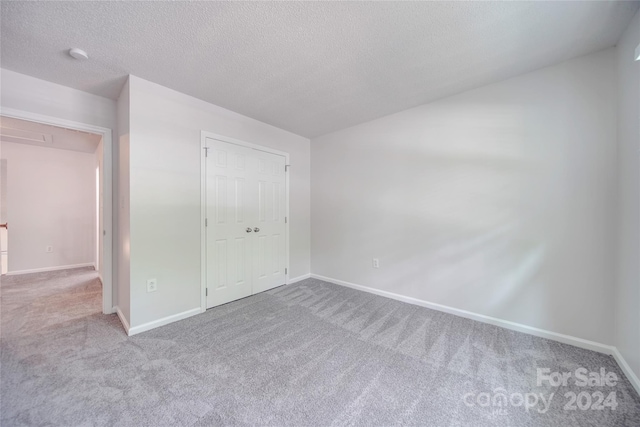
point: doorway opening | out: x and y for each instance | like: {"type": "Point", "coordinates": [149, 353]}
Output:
{"type": "Point", "coordinates": [55, 197]}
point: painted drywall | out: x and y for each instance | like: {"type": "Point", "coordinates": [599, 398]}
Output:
{"type": "Point", "coordinates": [51, 201]}
{"type": "Point", "coordinates": [27, 93]}
{"type": "Point", "coordinates": [164, 160]}
{"type": "Point", "coordinates": [123, 290]}
{"type": "Point", "coordinates": [36, 96]}
{"type": "Point", "coordinates": [499, 201]}
{"type": "Point", "coordinates": [627, 290]}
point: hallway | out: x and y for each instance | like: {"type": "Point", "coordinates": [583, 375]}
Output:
{"type": "Point", "coordinates": [34, 302]}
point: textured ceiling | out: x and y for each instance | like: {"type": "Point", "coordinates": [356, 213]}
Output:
{"type": "Point", "coordinates": [31, 133]}
{"type": "Point", "coordinates": [308, 67]}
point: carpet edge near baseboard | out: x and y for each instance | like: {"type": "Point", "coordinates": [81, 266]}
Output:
{"type": "Point", "coordinates": [518, 327]}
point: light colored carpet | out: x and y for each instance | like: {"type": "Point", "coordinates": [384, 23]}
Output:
{"type": "Point", "coordinates": [308, 354]}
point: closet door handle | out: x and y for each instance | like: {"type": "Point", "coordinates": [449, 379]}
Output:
{"type": "Point", "coordinates": [256, 229]}
{"type": "Point", "coordinates": [248, 229]}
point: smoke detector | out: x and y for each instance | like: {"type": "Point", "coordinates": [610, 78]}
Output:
{"type": "Point", "coordinates": [78, 53]}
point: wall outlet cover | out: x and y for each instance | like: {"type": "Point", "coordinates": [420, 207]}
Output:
{"type": "Point", "coordinates": [152, 285]}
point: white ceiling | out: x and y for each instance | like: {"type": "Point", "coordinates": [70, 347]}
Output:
{"type": "Point", "coordinates": [31, 133]}
{"type": "Point", "coordinates": [308, 67]}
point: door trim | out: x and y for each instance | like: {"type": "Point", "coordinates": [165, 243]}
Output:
{"type": "Point", "coordinates": [203, 204]}
{"type": "Point", "coordinates": [107, 183]}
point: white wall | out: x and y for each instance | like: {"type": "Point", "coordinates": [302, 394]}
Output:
{"type": "Point", "coordinates": [499, 201]}
{"type": "Point", "coordinates": [27, 93]}
{"type": "Point", "coordinates": [627, 301]}
{"type": "Point", "coordinates": [51, 201]}
{"type": "Point", "coordinates": [164, 157]}
{"type": "Point", "coordinates": [122, 289]}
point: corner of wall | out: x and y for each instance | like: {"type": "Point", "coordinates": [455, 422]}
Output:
{"type": "Point", "coordinates": [121, 207]}
{"type": "Point", "coordinates": [627, 278]}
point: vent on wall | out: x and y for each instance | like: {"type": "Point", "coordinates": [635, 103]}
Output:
{"type": "Point", "coordinates": [19, 135]}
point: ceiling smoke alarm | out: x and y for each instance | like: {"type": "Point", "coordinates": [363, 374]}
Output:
{"type": "Point", "coordinates": [78, 53]}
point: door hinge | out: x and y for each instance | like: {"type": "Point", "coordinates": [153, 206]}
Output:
{"type": "Point", "coordinates": [285, 219]}
{"type": "Point", "coordinates": [286, 168]}
{"type": "Point", "coordinates": [206, 151]}
{"type": "Point", "coordinates": [285, 271]}
{"type": "Point", "coordinates": [206, 222]}
{"type": "Point", "coordinates": [206, 292]}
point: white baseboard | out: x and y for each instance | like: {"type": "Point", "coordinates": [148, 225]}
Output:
{"type": "Point", "coordinates": [631, 376]}
{"type": "Point", "coordinates": [41, 270]}
{"type": "Point", "coordinates": [566, 339]}
{"type": "Point", "coordinates": [164, 321]}
{"type": "Point", "coordinates": [123, 320]}
{"type": "Point", "coordinates": [298, 279]}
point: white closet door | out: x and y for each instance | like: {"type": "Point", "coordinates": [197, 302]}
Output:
{"type": "Point", "coordinates": [270, 244]}
{"type": "Point", "coordinates": [231, 216]}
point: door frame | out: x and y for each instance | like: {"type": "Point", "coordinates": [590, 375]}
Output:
{"type": "Point", "coordinates": [106, 175]}
{"type": "Point", "coordinates": [204, 135]}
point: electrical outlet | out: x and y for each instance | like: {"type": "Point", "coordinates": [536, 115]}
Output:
{"type": "Point", "coordinates": [48, 249]}
{"type": "Point", "coordinates": [376, 263]}
{"type": "Point", "coordinates": [152, 285]}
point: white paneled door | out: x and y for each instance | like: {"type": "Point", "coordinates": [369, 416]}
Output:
{"type": "Point", "coordinates": [245, 221]}
{"type": "Point", "coordinates": [269, 235]}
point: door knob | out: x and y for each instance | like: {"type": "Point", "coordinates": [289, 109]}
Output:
{"type": "Point", "coordinates": [5, 225]}
{"type": "Point", "coordinates": [256, 229]}
{"type": "Point", "coordinates": [248, 229]}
